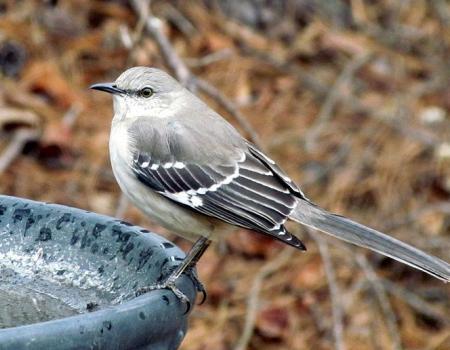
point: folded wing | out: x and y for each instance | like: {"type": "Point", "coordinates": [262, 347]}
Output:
{"type": "Point", "coordinates": [251, 193]}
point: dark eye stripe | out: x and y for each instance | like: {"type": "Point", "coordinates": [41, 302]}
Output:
{"type": "Point", "coordinates": [138, 92]}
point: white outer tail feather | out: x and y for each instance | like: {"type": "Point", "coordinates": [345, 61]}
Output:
{"type": "Point", "coordinates": [350, 231]}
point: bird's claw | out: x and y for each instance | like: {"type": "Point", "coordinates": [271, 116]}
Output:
{"type": "Point", "coordinates": [197, 284]}
{"type": "Point", "coordinates": [167, 284]}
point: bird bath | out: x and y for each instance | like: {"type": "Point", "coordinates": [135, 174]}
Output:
{"type": "Point", "coordinates": [68, 279]}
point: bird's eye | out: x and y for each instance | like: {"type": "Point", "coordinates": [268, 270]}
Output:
{"type": "Point", "coordinates": [146, 92]}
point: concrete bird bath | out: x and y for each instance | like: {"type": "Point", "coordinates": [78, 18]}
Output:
{"type": "Point", "coordinates": [68, 279]}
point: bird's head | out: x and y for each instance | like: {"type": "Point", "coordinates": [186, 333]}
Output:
{"type": "Point", "coordinates": [142, 92]}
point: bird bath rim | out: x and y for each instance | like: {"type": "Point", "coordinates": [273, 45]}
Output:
{"type": "Point", "coordinates": [108, 250]}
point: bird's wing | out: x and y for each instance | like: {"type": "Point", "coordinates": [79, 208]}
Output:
{"type": "Point", "coordinates": [251, 192]}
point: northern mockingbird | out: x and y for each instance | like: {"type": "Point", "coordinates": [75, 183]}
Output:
{"type": "Point", "coordinates": [190, 171]}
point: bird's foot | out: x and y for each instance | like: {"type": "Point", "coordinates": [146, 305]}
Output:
{"type": "Point", "coordinates": [187, 267]}
{"type": "Point", "coordinates": [169, 283]}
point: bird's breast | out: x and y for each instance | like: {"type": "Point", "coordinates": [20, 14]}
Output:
{"type": "Point", "coordinates": [160, 209]}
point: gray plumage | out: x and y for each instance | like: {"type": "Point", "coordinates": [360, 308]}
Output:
{"type": "Point", "coordinates": [363, 236]}
{"type": "Point", "coordinates": [190, 170]}
{"type": "Point", "coordinates": [175, 139]}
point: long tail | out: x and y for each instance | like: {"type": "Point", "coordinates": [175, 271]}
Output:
{"type": "Point", "coordinates": [340, 227]}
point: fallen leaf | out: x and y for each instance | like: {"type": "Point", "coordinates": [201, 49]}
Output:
{"type": "Point", "coordinates": [45, 78]}
{"type": "Point", "coordinates": [273, 322]}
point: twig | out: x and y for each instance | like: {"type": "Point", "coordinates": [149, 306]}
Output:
{"type": "Point", "coordinates": [442, 207]}
{"type": "Point", "coordinates": [70, 117]}
{"type": "Point", "coordinates": [415, 301]}
{"type": "Point", "coordinates": [411, 298]}
{"type": "Point", "coordinates": [441, 9]}
{"type": "Point", "coordinates": [440, 342]}
{"type": "Point", "coordinates": [383, 300]}
{"type": "Point", "coordinates": [130, 40]}
{"type": "Point", "coordinates": [319, 317]}
{"type": "Point", "coordinates": [154, 27]}
{"type": "Point", "coordinates": [125, 37]}
{"type": "Point", "coordinates": [375, 284]}
{"type": "Point", "coordinates": [17, 116]}
{"type": "Point", "coordinates": [330, 166]}
{"type": "Point", "coordinates": [182, 72]}
{"type": "Point", "coordinates": [179, 20]}
{"type": "Point", "coordinates": [338, 328]}
{"type": "Point", "coordinates": [210, 58]}
{"type": "Point", "coordinates": [15, 147]}
{"type": "Point", "coordinates": [230, 107]}
{"type": "Point", "coordinates": [253, 299]}
{"type": "Point", "coordinates": [350, 102]}
{"type": "Point", "coordinates": [332, 98]}
{"type": "Point", "coordinates": [22, 136]}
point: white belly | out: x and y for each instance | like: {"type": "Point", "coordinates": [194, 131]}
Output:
{"type": "Point", "coordinates": [160, 209]}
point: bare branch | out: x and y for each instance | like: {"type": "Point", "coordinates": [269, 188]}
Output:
{"type": "Point", "coordinates": [332, 98]}
{"type": "Point", "coordinates": [338, 328]}
{"type": "Point", "coordinates": [182, 72]}
{"type": "Point", "coordinates": [15, 147]}
{"type": "Point", "coordinates": [351, 102]}
{"type": "Point", "coordinates": [415, 301]}
{"type": "Point", "coordinates": [253, 298]}
{"type": "Point", "coordinates": [383, 300]}
{"type": "Point", "coordinates": [230, 107]}
{"type": "Point", "coordinates": [154, 27]}
{"type": "Point", "coordinates": [70, 117]}
{"type": "Point", "coordinates": [210, 58]}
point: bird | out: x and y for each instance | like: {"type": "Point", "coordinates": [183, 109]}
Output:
{"type": "Point", "coordinates": [191, 171]}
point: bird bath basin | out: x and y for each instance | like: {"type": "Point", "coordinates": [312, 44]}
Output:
{"type": "Point", "coordinates": [68, 279]}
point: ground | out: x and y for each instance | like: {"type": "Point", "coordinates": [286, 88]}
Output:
{"type": "Point", "coordinates": [351, 98]}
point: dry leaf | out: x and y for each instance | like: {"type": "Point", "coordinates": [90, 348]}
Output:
{"type": "Point", "coordinates": [45, 78]}
{"type": "Point", "coordinates": [273, 322]}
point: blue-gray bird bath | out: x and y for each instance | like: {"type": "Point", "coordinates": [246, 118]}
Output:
{"type": "Point", "coordinates": [68, 279]}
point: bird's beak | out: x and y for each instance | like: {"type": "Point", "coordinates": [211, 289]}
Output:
{"type": "Point", "coordinates": [107, 87]}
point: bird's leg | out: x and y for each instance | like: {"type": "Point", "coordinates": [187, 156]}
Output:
{"type": "Point", "coordinates": [186, 266]}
